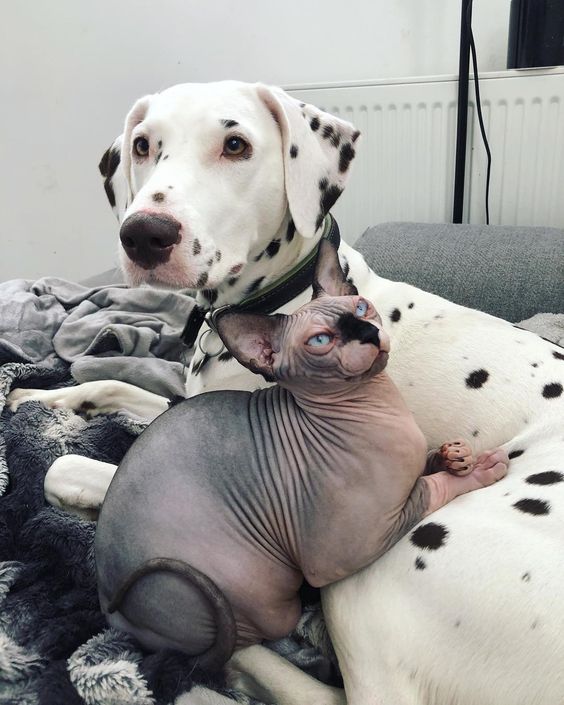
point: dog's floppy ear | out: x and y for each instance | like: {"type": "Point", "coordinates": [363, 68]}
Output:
{"type": "Point", "coordinates": [115, 184]}
{"type": "Point", "coordinates": [252, 338]}
{"type": "Point", "coordinates": [134, 117]}
{"type": "Point", "coordinates": [329, 279]}
{"type": "Point", "coordinates": [318, 149]}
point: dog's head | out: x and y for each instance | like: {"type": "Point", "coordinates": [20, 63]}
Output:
{"type": "Point", "coordinates": [206, 173]}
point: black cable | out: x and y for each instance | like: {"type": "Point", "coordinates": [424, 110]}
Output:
{"type": "Point", "coordinates": [479, 108]}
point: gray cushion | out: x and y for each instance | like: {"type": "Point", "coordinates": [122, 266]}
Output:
{"type": "Point", "coordinates": [511, 272]}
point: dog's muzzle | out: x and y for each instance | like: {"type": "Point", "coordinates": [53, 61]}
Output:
{"type": "Point", "coordinates": [148, 239]}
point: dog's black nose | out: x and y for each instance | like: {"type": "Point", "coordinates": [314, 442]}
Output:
{"type": "Point", "coordinates": [148, 239]}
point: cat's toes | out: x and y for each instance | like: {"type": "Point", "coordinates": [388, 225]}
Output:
{"type": "Point", "coordinates": [457, 457]}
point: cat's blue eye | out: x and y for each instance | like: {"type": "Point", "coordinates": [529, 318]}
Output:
{"type": "Point", "coordinates": [319, 339]}
{"type": "Point", "coordinates": [361, 308]}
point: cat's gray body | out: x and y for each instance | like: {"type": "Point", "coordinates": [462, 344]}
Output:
{"type": "Point", "coordinates": [229, 499]}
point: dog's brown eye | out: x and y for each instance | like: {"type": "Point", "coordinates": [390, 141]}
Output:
{"type": "Point", "coordinates": [235, 147]}
{"type": "Point", "coordinates": [141, 146]}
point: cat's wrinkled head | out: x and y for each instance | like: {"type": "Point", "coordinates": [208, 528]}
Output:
{"type": "Point", "coordinates": [336, 338]}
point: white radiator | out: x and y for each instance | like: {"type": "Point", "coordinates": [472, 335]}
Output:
{"type": "Point", "coordinates": [405, 164]}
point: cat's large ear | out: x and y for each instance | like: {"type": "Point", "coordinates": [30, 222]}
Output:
{"type": "Point", "coordinates": [252, 338]}
{"type": "Point", "coordinates": [329, 279]}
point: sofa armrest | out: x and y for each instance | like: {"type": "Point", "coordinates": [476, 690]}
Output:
{"type": "Point", "coordinates": [510, 272]}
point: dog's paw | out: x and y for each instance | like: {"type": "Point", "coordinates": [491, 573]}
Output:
{"type": "Point", "coordinates": [456, 457]}
{"type": "Point", "coordinates": [51, 398]}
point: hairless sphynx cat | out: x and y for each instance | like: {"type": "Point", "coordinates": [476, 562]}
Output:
{"type": "Point", "coordinates": [229, 499]}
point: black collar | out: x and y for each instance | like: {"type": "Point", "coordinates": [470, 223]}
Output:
{"type": "Point", "coordinates": [272, 297]}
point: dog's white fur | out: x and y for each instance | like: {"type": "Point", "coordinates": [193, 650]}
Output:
{"type": "Point", "coordinates": [481, 624]}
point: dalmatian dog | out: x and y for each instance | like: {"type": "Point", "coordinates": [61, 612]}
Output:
{"type": "Point", "coordinates": [225, 188]}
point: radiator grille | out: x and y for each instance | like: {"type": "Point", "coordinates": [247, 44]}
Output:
{"type": "Point", "coordinates": [405, 164]}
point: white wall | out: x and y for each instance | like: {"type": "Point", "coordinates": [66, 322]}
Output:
{"type": "Point", "coordinates": [71, 69]}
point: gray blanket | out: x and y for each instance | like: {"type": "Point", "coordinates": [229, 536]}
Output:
{"type": "Point", "coordinates": [105, 333]}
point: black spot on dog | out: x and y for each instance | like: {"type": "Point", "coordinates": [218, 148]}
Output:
{"type": "Point", "coordinates": [327, 131]}
{"type": "Point", "coordinates": [254, 286]}
{"type": "Point", "coordinates": [199, 366]}
{"type": "Point", "coordinates": [229, 123]}
{"type": "Point", "coordinates": [549, 477]}
{"type": "Point", "coordinates": [218, 255]}
{"type": "Point", "coordinates": [202, 280]}
{"type": "Point", "coordinates": [196, 247]}
{"type": "Point", "coordinates": [302, 105]}
{"type": "Point", "coordinates": [107, 166]}
{"type": "Point", "coordinates": [210, 295]}
{"type": "Point", "coordinates": [395, 315]}
{"type": "Point", "coordinates": [225, 356]}
{"type": "Point", "coordinates": [159, 144]}
{"type": "Point", "coordinates": [438, 316]}
{"type": "Point", "coordinates": [537, 507]}
{"type": "Point", "coordinates": [477, 379]}
{"type": "Point", "coordinates": [290, 231]}
{"type": "Point", "coordinates": [158, 157]}
{"type": "Point", "coordinates": [430, 536]}
{"type": "Point", "coordinates": [526, 577]}
{"type": "Point", "coordinates": [346, 155]}
{"type": "Point", "coordinates": [108, 188]}
{"type": "Point", "coordinates": [329, 194]}
{"type": "Point", "coordinates": [166, 157]}
{"type": "Point", "coordinates": [515, 454]}
{"type": "Point", "coordinates": [355, 135]}
{"type": "Point", "coordinates": [552, 391]}
{"type": "Point", "coordinates": [273, 247]}
{"type": "Point", "coordinates": [328, 198]}
{"type": "Point", "coordinates": [314, 124]}
{"type": "Point", "coordinates": [209, 262]}
{"type": "Point", "coordinates": [170, 186]}
{"type": "Point", "coordinates": [294, 151]}
{"type": "Point", "coordinates": [336, 139]}
{"type": "Point", "coordinates": [109, 162]}
{"type": "Point", "coordinates": [557, 356]}
{"type": "Point", "coordinates": [345, 266]}
{"type": "Point", "coordinates": [158, 197]}
{"type": "Point", "coordinates": [411, 305]}
{"type": "Point", "coordinates": [85, 407]}
{"type": "Point", "coordinates": [534, 364]}
{"type": "Point", "coordinates": [475, 433]}
{"type": "Point", "coordinates": [258, 257]}
{"type": "Point", "coordinates": [420, 564]}
{"type": "Point", "coordinates": [232, 281]}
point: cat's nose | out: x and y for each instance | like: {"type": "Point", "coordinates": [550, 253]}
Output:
{"type": "Point", "coordinates": [369, 334]}
{"type": "Point", "coordinates": [353, 328]}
